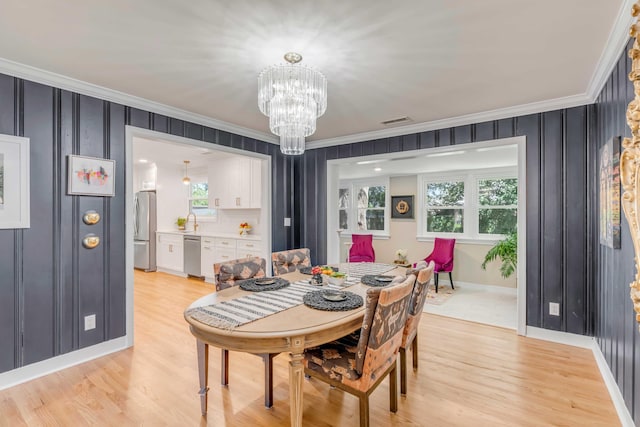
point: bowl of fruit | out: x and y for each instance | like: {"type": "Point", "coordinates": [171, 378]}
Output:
{"type": "Point", "coordinates": [337, 278]}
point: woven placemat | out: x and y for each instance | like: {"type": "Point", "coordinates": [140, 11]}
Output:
{"type": "Point", "coordinates": [315, 299]}
{"type": "Point", "coordinates": [370, 280]}
{"type": "Point", "coordinates": [251, 285]}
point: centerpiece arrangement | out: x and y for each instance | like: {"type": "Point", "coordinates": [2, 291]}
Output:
{"type": "Point", "coordinates": [245, 228]}
{"type": "Point", "coordinates": [402, 256]}
{"type": "Point", "coordinates": [332, 275]}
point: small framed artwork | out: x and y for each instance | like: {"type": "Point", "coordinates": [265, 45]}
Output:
{"type": "Point", "coordinates": [90, 176]}
{"type": "Point", "coordinates": [610, 193]}
{"type": "Point", "coordinates": [401, 206]}
{"type": "Point", "coordinates": [14, 182]}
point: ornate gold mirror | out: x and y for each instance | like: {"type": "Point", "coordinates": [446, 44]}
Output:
{"type": "Point", "coordinates": [630, 159]}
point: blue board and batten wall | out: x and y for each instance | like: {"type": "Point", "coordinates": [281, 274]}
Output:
{"type": "Point", "coordinates": [48, 281]}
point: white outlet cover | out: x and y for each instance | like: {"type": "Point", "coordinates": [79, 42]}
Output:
{"type": "Point", "coordinates": [89, 322]}
{"type": "Point", "coordinates": [554, 309]}
{"type": "Point", "coordinates": [287, 222]}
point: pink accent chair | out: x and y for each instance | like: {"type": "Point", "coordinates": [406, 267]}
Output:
{"type": "Point", "coordinates": [442, 257]}
{"type": "Point", "coordinates": [362, 248]}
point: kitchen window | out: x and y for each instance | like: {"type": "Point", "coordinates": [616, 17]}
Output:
{"type": "Point", "coordinates": [199, 199]}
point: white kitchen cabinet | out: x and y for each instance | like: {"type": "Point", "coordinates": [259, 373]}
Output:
{"type": "Point", "coordinates": [247, 248]}
{"type": "Point", "coordinates": [170, 252]}
{"type": "Point", "coordinates": [207, 256]}
{"type": "Point", "coordinates": [235, 183]}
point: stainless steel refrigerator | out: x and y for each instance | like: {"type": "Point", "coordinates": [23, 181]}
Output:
{"type": "Point", "coordinates": [144, 230]}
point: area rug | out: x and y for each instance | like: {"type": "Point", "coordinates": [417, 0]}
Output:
{"type": "Point", "coordinates": [444, 293]}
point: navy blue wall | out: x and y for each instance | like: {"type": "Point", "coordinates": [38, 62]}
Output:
{"type": "Point", "coordinates": [557, 198]}
{"type": "Point", "coordinates": [616, 329]}
{"type": "Point", "coordinates": [48, 280]}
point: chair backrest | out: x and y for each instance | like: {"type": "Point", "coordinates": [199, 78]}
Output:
{"type": "Point", "coordinates": [385, 316]}
{"type": "Point", "coordinates": [362, 248]}
{"type": "Point", "coordinates": [288, 261]}
{"type": "Point", "coordinates": [228, 272]}
{"type": "Point", "coordinates": [416, 305]}
{"type": "Point", "coordinates": [442, 254]}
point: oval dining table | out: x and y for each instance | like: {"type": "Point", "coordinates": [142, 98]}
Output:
{"type": "Point", "coordinates": [288, 331]}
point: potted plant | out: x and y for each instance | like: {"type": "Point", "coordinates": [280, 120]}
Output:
{"type": "Point", "coordinates": [180, 222]}
{"type": "Point", "coordinates": [507, 251]}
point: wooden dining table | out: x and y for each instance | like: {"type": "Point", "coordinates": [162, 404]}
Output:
{"type": "Point", "coordinates": [289, 331]}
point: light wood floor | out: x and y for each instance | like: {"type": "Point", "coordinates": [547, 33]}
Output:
{"type": "Point", "coordinates": [470, 375]}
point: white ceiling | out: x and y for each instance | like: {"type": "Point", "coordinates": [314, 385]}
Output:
{"type": "Point", "coordinates": [426, 59]}
{"type": "Point", "coordinates": [170, 154]}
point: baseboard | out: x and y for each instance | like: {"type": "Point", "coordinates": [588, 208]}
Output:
{"type": "Point", "coordinates": [566, 338]}
{"type": "Point", "coordinates": [39, 369]}
{"type": "Point", "coordinates": [174, 272]}
{"type": "Point", "coordinates": [616, 396]}
{"type": "Point", "coordinates": [589, 343]}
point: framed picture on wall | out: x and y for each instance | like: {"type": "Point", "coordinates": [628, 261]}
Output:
{"type": "Point", "coordinates": [609, 194]}
{"type": "Point", "coordinates": [14, 182]}
{"type": "Point", "coordinates": [90, 176]}
{"type": "Point", "coordinates": [401, 206]}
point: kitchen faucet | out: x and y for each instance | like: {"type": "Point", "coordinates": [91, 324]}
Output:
{"type": "Point", "coordinates": [195, 221]}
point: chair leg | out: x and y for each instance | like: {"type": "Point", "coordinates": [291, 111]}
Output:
{"type": "Point", "coordinates": [414, 350]}
{"type": "Point", "coordinates": [451, 280]}
{"type": "Point", "coordinates": [403, 371]}
{"type": "Point", "coordinates": [435, 279]}
{"type": "Point", "coordinates": [224, 367]}
{"type": "Point", "coordinates": [393, 389]}
{"type": "Point", "coordinates": [364, 410]}
{"type": "Point", "coordinates": [268, 379]}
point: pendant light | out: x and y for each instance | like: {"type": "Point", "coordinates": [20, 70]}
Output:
{"type": "Point", "coordinates": [186, 180]}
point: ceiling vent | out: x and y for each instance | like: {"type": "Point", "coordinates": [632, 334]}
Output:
{"type": "Point", "coordinates": [397, 121]}
{"type": "Point", "coordinates": [404, 158]}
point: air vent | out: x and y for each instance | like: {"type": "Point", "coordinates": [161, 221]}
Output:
{"type": "Point", "coordinates": [398, 121]}
{"type": "Point", "coordinates": [404, 158]}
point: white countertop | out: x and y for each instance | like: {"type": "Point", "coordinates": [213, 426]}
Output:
{"type": "Point", "coordinates": [212, 234]}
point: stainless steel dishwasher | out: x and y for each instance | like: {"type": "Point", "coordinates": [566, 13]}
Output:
{"type": "Point", "coordinates": [192, 256]}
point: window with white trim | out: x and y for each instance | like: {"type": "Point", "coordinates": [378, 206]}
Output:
{"type": "Point", "coordinates": [469, 204]}
{"type": "Point", "coordinates": [363, 206]}
{"type": "Point", "coordinates": [199, 198]}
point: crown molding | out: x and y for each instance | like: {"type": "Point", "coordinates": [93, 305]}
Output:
{"type": "Point", "coordinates": [502, 113]}
{"type": "Point", "coordinates": [616, 43]}
{"type": "Point", "coordinates": [38, 75]}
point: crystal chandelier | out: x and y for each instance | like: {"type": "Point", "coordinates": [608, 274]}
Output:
{"type": "Point", "coordinates": [293, 96]}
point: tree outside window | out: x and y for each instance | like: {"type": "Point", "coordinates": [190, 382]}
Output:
{"type": "Point", "coordinates": [343, 208]}
{"type": "Point", "coordinates": [362, 205]}
{"type": "Point", "coordinates": [497, 205]}
{"type": "Point", "coordinates": [445, 207]}
{"type": "Point", "coordinates": [371, 204]}
{"type": "Point", "coordinates": [199, 199]}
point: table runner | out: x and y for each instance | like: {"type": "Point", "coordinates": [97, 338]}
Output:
{"type": "Point", "coordinates": [233, 313]}
{"type": "Point", "coordinates": [357, 270]}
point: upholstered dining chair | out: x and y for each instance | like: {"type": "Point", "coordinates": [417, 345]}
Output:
{"type": "Point", "coordinates": [228, 274]}
{"type": "Point", "coordinates": [442, 256]}
{"type": "Point", "coordinates": [410, 333]}
{"type": "Point", "coordinates": [291, 260]}
{"type": "Point", "coordinates": [359, 362]}
{"type": "Point", "coordinates": [362, 248]}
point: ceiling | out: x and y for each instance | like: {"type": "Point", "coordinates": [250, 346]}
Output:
{"type": "Point", "coordinates": [165, 153]}
{"type": "Point", "coordinates": [430, 60]}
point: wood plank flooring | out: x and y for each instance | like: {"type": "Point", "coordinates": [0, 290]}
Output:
{"type": "Point", "coordinates": [469, 375]}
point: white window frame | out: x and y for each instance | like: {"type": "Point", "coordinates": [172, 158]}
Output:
{"type": "Point", "coordinates": [476, 202]}
{"type": "Point", "coordinates": [352, 212]}
{"type": "Point", "coordinates": [200, 178]}
{"type": "Point", "coordinates": [471, 208]}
